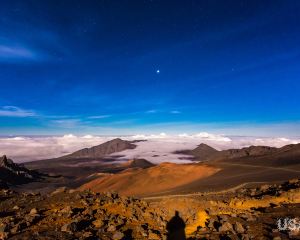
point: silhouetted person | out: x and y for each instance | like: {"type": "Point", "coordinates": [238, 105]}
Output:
{"type": "Point", "coordinates": [175, 228]}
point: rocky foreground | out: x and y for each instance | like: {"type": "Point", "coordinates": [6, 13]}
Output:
{"type": "Point", "coordinates": [69, 214]}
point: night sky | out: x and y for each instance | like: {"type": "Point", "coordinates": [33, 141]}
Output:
{"type": "Point", "coordinates": [118, 67]}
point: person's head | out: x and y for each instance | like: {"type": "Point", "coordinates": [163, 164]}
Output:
{"type": "Point", "coordinates": [176, 213]}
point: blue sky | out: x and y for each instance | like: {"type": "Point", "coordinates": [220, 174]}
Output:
{"type": "Point", "coordinates": [92, 67]}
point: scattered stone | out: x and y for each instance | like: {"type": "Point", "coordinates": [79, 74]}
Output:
{"type": "Point", "coordinates": [4, 235]}
{"type": "Point", "coordinates": [264, 187]}
{"type": "Point", "coordinates": [67, 211]}
{"type": "Point", "coordinates": [226, 226]}
{"type": "Point", "coordinates": [16, 207]}
{"type": "Point", "coordinates": [33, 211]}
{"type": "Point", "coordinates": [118, 235]}
{"type": "Point", "coordinates": [111, 228]}
{"type": "Point", "coordinates": [3, 227]}
{"type": "Point", "coordinates": [153, 236]}
{"type": "Point", "coordinates": [98, 223]}
{"type": "Point", "coordinates": [87, 234]}
{"type": "Point", "coordinates": [70, 227]}
{"type": "Point", "coordinates": [238, 227]}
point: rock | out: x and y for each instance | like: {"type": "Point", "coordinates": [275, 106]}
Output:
{"type": "Point", "coordinates": [223, 218]}
{"type": "Point", "coordinates": [4, 235]}
{"type": "Point", "coordinates": [67, 211]}
{"type": "Point", "coordinates": [117, 235]}
{"type": "Point", "coordinates": [87, 234]}
{"type": "Point", "coordinates": [70, 227]}
{"type": "Point", "coordinates": [238, 227]}
{"type": "Point", "coordinates": [226, 226]}
{"type": "Point", "coordinates": [16, 207]}
{"type": "Point", "coordinates": [153, 236]}
{"type": "Point", "coordinates": [277, 238]}
{"type": "Point", "coordinates": [245, 237]}
{"type": "Point", "coordinates": [98, 223]}
{"type": "Point", "coordinates": [33, 211]}
{"type": "Point", "coordinates": [140, 231]}
{"type": "Point", "coordinates": [31, 219]}
{"type": "Point", "coordinates": [59, 190]}
{"type": "Point", "coordinates": [264, 187]}
{"type": "Point", "coordinates": [15, 229]}
{"type": "Point", "coordinates": [111, 228]}
{"type": "Point", "coordinates": [84, 202]}
{"type": "Point", "coordinates": [3, 227]}
{"type": "Point", "coordinates": [293, 181]}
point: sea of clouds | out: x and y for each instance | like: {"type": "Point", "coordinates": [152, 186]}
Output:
{"type": "Point", "coordinates": [157, 147]}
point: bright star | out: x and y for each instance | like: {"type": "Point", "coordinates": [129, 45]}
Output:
{"type": "Point", "coordinates": [157, 71]}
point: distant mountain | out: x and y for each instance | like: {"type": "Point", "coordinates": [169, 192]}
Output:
{"type": "Point", "coordinates": [137, 163]}
{"type": "Point", "coordinates": [202, 152]}
{"type": "Point", "coordinates": [245, 152]}
{"type": "Point", "coordinates": [267, 156]}
{"type": "Point", "coordinates": [102, 150]}
{"type": "Point", "coordinates": [255, 155]}
{"type": "Point", "coordinates": [206, 153]}
{"type": "Point", "coordinates": [86, 161]}
{"type": "Point", "coordinates": [14, 174]}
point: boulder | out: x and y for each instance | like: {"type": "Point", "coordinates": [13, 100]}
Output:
{"type": "Point", "coordinates": [4, 235]}
{"type": "Point", "coordinates": [111, 228]}
{"type": "Point", "coordinates": [33, 211]}
{"type": "Point", "coordinates": [238, 227]}
{"type": "Point", "coordinates": [226, 226]}
{"type": "Point", "coordinates": [98, 223]}
{"type": "Point", "coordinates": [69, 227]}
{"type": "Point", "coordinates": [117, 235]}
{"type": "Point", "coordinates": [153, 236]}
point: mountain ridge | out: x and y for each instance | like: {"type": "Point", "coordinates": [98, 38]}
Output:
{"type": "Point", "coordinates": [15, 174]}
{"type": "Point", "coordinates": [101, 150]}
{"type": "Point", "coordinates": [204, 152]}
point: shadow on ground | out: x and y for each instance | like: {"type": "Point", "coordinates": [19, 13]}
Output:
{"type": "Point", "coordinates": [175, 228]}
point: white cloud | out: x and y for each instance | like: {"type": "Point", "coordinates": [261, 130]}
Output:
{"type": "Point", "coordinates": [211, 137]}
{"type": "Point", "coordinates": [15, 52]}
{"type": "Point", "coordinates": [99, 117]}
{"type": "Point", "coordinates": [151, 111]}
{"type": "Point", "coordinates": [13, 111]}
{"type": "Point", "coordinates": [175, 112]}
{"type": "Point", "coordinates": [157, 148]}
{"type": "Point", "coordinates": [34, 148]}
{"type": "Point", "coordinates": [66, 123]}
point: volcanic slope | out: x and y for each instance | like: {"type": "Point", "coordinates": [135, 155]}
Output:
{"type": "Point", "coordinates": [249, 166]}
{"type": "Point", "coordinates": [160, 178]}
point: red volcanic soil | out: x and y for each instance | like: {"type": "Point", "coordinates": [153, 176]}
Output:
{"type": "Point", "coordinates": [141, 182]}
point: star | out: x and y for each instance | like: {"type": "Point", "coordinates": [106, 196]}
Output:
{"type": "Point", "coordinates": [157, 71]}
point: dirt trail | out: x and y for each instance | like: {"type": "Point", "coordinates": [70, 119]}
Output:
{"type": "Point", "coordinates": [232, 189]}
{"type": "Point", "coordinates": [258, 166]}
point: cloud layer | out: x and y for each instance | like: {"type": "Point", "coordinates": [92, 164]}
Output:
{"type": "Point", "coordinates": [13, 111]}
{"type": "Point", "coordinates": [157, 148]}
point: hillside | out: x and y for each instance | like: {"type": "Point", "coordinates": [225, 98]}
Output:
{"type": "Point", "coordinates": [14, 174]}
{"type": "Point", "coordinates": [247, 213]}
{"type": "Point", "coordinates": [261, 155]}
{"type": "Point", "coordinates": [162, 177]}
